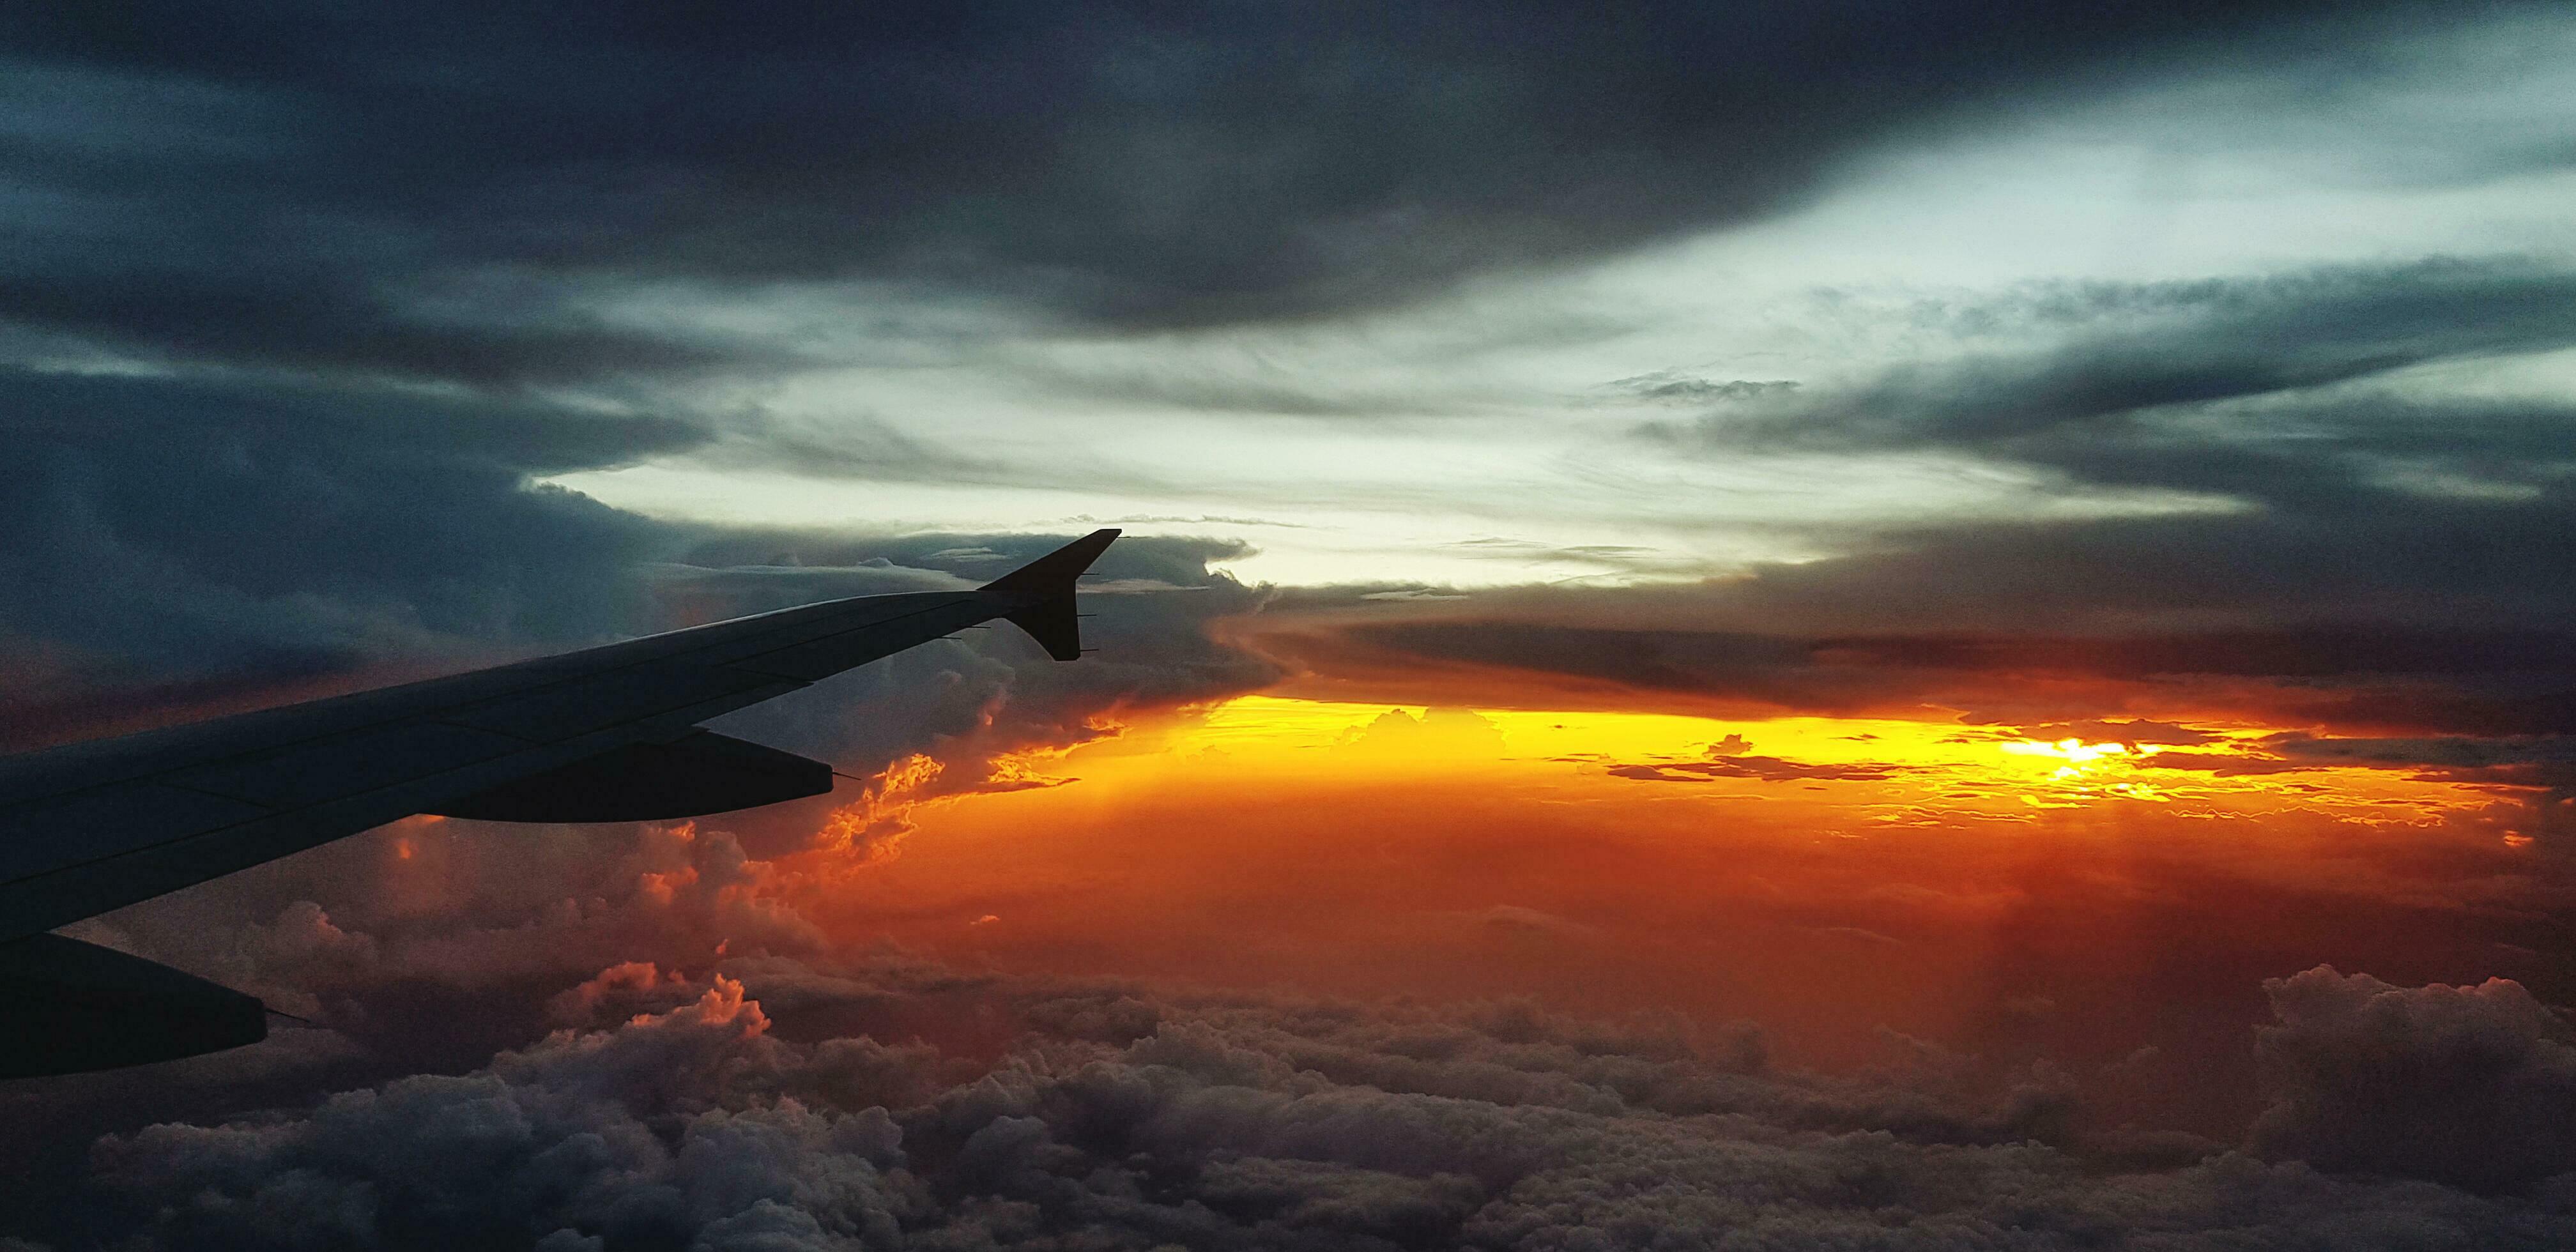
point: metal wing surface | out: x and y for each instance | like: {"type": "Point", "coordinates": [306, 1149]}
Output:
{"type": "Point", "coordinates": [607, 733]}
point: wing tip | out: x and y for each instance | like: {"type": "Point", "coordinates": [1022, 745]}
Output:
{"type": "Point", "coordinates": [1055, 572]}
{"type": "Point", "coordinates": [1049, 582]}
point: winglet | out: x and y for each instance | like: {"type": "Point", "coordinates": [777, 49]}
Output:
{"type": "Point", "coordinates": [1049, 579]}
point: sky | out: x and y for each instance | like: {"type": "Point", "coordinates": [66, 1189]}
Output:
{"type": "Point", "coordinates": [1851, 624]}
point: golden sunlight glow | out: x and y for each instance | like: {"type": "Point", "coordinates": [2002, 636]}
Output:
{"type": "Point", "coordinates": [1881, 770]}
{"type": "Point", "coordinates": [1367, 849]}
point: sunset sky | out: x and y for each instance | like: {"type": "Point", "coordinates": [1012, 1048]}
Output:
{"type": "Point", "coordinates": [1857, 624]}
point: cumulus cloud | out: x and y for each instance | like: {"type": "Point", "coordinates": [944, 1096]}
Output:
{"type": "Point", "coordinates": [565, 1135]}
{"type": "Point", "coordinates": [1124, 1118]}
{"type": "Point", "coordinates": [2474, 1086]}
{"type": "Point", "coordinates": [443, 942]}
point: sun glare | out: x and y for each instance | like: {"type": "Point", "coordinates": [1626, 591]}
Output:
{"type": "Point", "coordinates": [2077, 752]}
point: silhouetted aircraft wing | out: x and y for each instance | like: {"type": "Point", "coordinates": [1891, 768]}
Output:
{"type": "Point", "coordinates": [604, 734]}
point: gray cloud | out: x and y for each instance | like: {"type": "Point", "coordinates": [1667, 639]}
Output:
{"type": "Point", "coordinates": [2544, 763]}
{"type": "Point", "coordinates": [395, 267]}
{"type": "Point", "coordinates": [2355, 681]}
{"type": "Point", "coordinates": [2446, 752]}
{"type": "Point", "coordinates": [2474, 1086]}
{"type": "Point", "coordinates": [2229, 386]}
{"type": "Point", "coordinates": [431, 195]}
{"type": "Point", "coordinates": [1131, 1119]}
{"type": "Point", "coordinates": [1679, 388]}
{"type": "Point", "coordinates": [171, 530]}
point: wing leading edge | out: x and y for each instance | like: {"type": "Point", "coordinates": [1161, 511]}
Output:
{"type": "Point", "coordinates": [95, 826]}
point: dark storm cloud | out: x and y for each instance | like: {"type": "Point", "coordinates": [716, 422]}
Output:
{"type": "Point", "coordinates": [1127, 1118]}
{"type": "Point", "coordinates": [171, 530]}
{"type": "Point", "coordinates": [426, 192]}
{"type": "Point", "coordinates": [522, 435]}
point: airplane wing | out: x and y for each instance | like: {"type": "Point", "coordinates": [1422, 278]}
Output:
{"type": "Point", "coordinates": [603, 734]}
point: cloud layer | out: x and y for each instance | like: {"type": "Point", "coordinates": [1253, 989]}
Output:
{"type": "Point", "coordinates": [2138, 371]}
{"type": "Point", "coordinates": [1119, 1118]}
{"type": "Point", "coordinates": [354, 186]}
